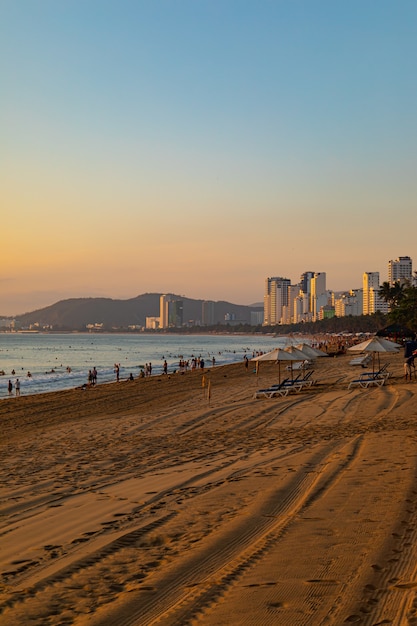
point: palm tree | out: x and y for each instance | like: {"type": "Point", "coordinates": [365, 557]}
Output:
{"type": "Point", "coordinates": [386, 293]}
{"type": "Point", "coordinates": [398, 292]}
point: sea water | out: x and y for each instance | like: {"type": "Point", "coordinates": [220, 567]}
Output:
{"type": "Point", "coordinates": [62, 361]}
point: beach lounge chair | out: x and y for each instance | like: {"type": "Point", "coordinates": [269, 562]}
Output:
{"type": "Point", "coordinates": [300, 365]}
{"type": "Point", "coordinates": [300, 382]}
{"type": "Point", "coordinates": [279, 389]}
{"type": "Point", "coordinates": [287, 386]}
{"type": "Point", "coordinates": [371, 379]}
{"type": "Point", "coordinates": [362, 360]}
{"type": "Point", "coordinates": [381, 373]}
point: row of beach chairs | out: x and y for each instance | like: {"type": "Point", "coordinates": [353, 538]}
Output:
{"type": "Point", "coordinates": [370, 379]}
{"type": "Point", "coordinates": [286, 386]}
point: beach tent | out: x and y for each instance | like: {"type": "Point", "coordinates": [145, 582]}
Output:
{"type": "Point", "coordinates": [376, 345]}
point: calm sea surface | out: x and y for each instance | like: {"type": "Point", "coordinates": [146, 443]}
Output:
{"type": "Point", "coordinates": [47, 357]}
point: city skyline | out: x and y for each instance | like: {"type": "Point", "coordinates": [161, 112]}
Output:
{"type": "Point", "coordinates": [197, 147]}
{"type": "Point", "coordinates": [310, 284]}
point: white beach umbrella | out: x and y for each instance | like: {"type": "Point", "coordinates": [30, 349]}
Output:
{"type": "Point", "coordinates": [267, 356]}
{"type": "Point", "coordinates": [312, 352]}
{"type": "Point", "coordinates": [375, 345]}
{"type": "Point", "coordinates": [297, 354]}
{"type": "Point", "coordinates": [278, 355]}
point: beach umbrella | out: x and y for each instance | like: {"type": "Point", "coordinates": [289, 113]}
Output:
{"type": "Point", "coordinates": [297, 354]}
{"type": "Point", "coordinates": [376, 345]}
{"type": "Point", "coordinates": [277, 355]}
{"type": "Point", "coordinates": [311, 352]}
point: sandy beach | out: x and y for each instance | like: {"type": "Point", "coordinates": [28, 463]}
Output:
{"type": "Point", "coordinates": [147, 502]}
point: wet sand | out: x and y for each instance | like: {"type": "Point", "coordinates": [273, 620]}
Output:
{"type": "Point", "coordinates": [147, 502]}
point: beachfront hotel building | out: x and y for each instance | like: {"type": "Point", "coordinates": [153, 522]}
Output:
{"type": "Point", "coordinates": [275, 298]}
{"type": "Point", "coordinates": [400, 270]}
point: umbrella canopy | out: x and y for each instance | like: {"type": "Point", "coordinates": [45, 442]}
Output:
{"type": "Point", "coordinates": [309, 352]}
{"type": "Point", "coordinates": [376, 345]}
{"type": "Point", "coordinates": [274, 355]}
{"type": "Point", "coordinates": [296, 353]}
{"type": "Point", "coordinates": [277, 355]}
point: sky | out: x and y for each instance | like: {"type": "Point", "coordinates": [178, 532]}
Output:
{"type": "Point", "coordinates": [197, 147]}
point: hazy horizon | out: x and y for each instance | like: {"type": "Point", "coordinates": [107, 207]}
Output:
{"type": "Point", "coordinates": [199, 147]}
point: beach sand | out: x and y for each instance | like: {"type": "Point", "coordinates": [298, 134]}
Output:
{"type": "Point", "coordinates": [147, 502]}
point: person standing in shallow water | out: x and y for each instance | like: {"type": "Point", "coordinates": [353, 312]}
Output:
{"type": "Point", "coordinates": [10, 387]}
{"type": "Point", "coordinates": [17, 387]}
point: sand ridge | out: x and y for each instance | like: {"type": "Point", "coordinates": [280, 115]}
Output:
{"type": "Point", "coordinates": [147, 502]}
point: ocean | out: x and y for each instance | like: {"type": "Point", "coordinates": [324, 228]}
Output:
{"type": "Point", "coordinates": [62, 361]}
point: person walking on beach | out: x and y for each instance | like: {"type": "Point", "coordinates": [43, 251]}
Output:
{"type": "Point", "coordinates": [165, 367]}
{"type": "Point", "coordinates": [409, 366]}
{"type": "Point", "coordinates": [17, 387]}
{"type": "Point", "coordinates": [117, 371]}
{"type": "Point", "coordinates": [10, 387]}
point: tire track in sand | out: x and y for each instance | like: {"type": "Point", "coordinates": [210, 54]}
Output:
{"type": "Point", "coordinates": [203, 578]}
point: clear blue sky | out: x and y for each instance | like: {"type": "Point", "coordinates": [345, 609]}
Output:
{"type": "Point", "coordinates": [197, 147]}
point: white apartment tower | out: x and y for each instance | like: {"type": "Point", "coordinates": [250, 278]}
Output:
{"type": "Point", "coordinates": [275, 298]}
{"type": "Point", "coordinates": [400, 270]}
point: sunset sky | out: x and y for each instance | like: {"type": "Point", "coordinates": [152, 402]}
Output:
{"type": "Point", "coordinates": [198, 146]}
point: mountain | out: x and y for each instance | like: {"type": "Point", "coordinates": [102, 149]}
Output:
{"type": "Point", "coordinates": [76, 313]}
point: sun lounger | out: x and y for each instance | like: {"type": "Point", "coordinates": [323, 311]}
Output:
{"type": "Point", "coordinates": [299, 365]}
{"type": "Point", "coordinates": [370, 379]}
{"type": "Point", "coordinates": [367, 382]}
{"type": "Point", "coordinates": [287, 386]}
{"type": "Point", "coordinates": [271, 392]}
{"type": "Point", "coordinates": [277, 390]}
{"type": "Point", "coordinates": [381, 373]}
{"type": "Point", "coordinates": [299, 383]}
{"type": "Point", "coordinates": [362, 360]}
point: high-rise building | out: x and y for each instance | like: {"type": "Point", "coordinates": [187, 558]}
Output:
{"type": "Point", "coordinates": [400, 270]}
{"type": "Point", "coordinates": [372, 302]}
{"type": "Point", "coordinates": [170, 312]}
{"type": "Point", "coordinates": [370, 283]}
{"type": "Point", "coordinates": [207, 313]}
{"type": "Point", "coordinates": [305, 282]}
{"type": "Point", "coordinates": [163, 311]}
{"type": "Point", "coordinates": [350, 303]}
{"type": "Point", "coordinates": [175, 313]}
{"type": "Point", "coordinates": [318, 294]}
{"type": "Point", "coordinates": [276, 296]}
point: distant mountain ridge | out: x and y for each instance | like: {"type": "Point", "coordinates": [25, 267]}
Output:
{"type": "Point", "coordinates": [76, 313]}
